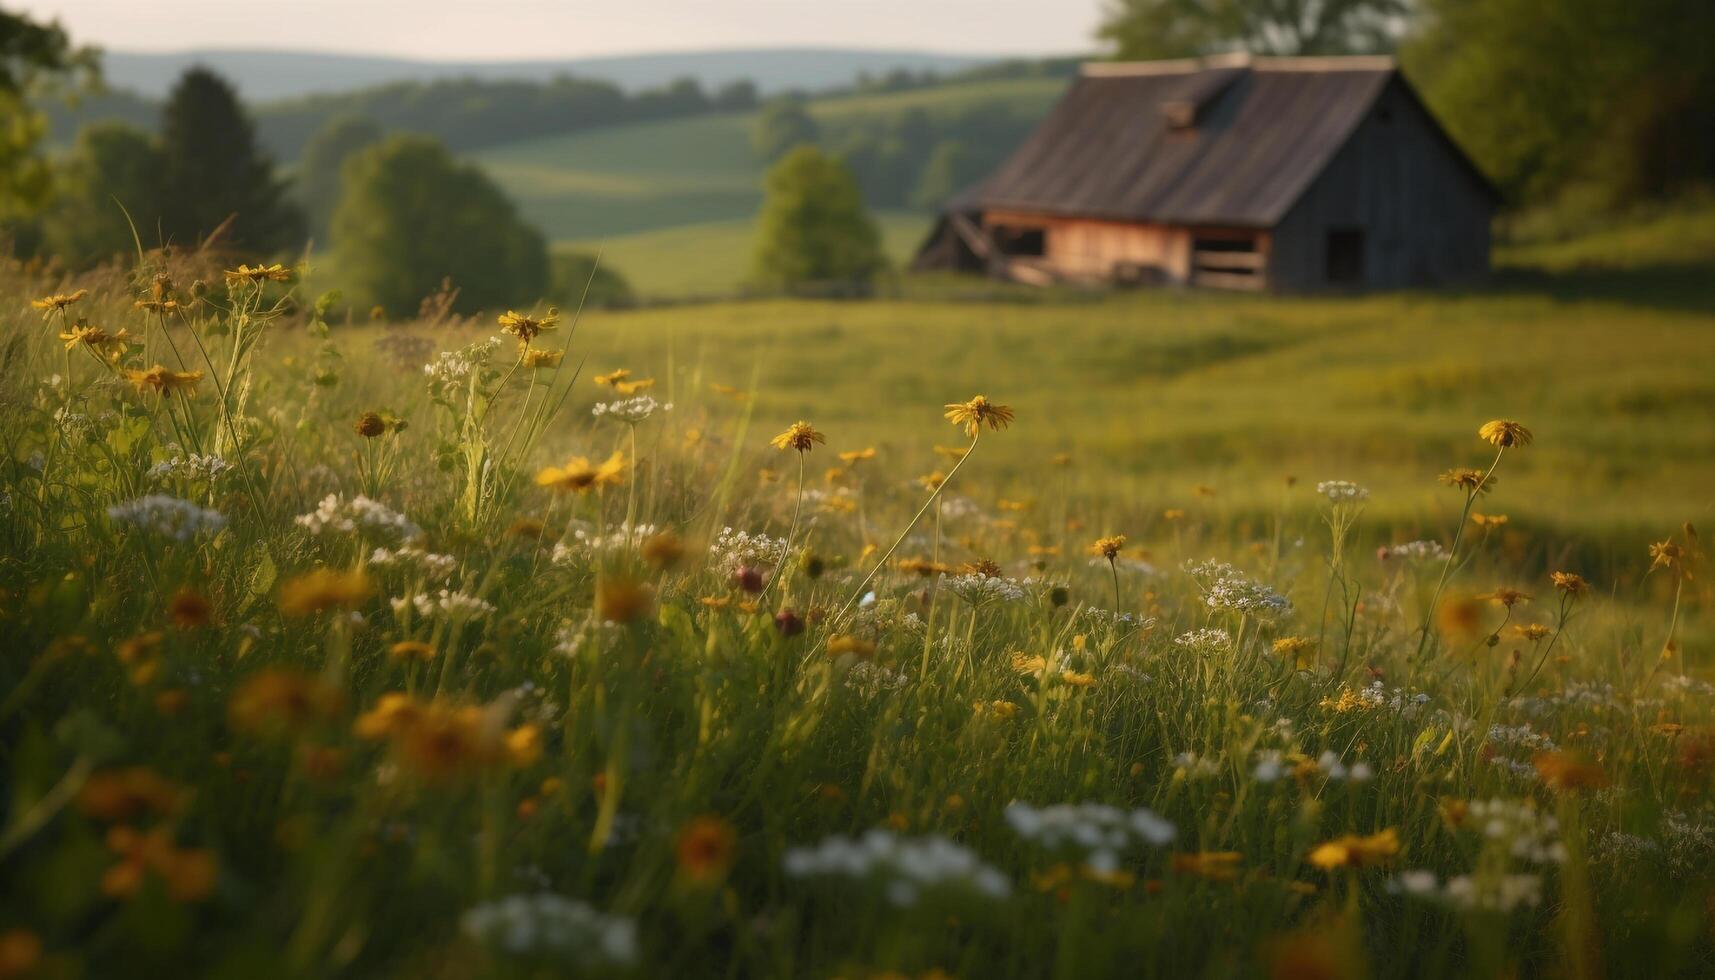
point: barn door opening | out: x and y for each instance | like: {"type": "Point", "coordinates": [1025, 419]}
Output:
{"type": "Point", "coordinates": [1345, 256]}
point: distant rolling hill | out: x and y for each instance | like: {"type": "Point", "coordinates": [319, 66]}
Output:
{"type": "Point", "coordinates": [622, 180]}
{"type": "Point", "coordinates": [263, 75]}
{"type": "Point", "coordinates": [670, 204]}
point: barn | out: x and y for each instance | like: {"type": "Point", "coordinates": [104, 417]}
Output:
{"type": "Point", "coordinates": [1287, 174]}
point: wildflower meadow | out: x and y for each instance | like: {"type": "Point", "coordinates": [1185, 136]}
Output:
{"type": "Point", "coordinates": [332, 648]}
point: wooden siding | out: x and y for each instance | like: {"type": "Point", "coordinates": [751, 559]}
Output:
{"type": "Point", "coordinates": [1083, 249]}
{"type": "Point", "coordinates": [1095, 250]}
{"type": "Point", "coordinates": [1423, 211]}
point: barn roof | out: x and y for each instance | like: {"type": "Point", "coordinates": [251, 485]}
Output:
{"type": "Point", "coordinates": [1229, 140]}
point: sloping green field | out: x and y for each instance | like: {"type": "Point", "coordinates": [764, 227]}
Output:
{"type": "Point", "coordinates": [625, 180]}
{"type": "Point", "coordinates": [713, 258]}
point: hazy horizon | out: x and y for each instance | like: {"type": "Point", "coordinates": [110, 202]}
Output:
{"type": "Point", "coordinates": [535, 30]}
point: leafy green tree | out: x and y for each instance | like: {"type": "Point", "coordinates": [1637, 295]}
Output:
{"type": "Point", "coordinates": [949, 169]}
{"type": "Point", "coordinates": [214, 171]}
{"type": "Point", "coordinates": [735, 96]}
{"type": "Point", "coordinates": [114, 170]}
{"type": "Point", "coordinates": [1615, 98]}
{"type": "Point", "coordinates": [782, 125]}
{"type": "Point", "coordinates": [319, 170]}
{"type": "Point", "coordinates": [1179, 28]}
{"type": "Point", "coordinates": [813, 229]}
{"type": "Point", "coordinates": [35, 60]}
{"type": "Point", "coordinates": [577, 278]}
{"type": "Point", "coordinates": [410, 216]}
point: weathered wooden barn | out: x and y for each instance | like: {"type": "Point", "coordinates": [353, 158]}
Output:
{"type": "Point", "coordinates": [1290, 174]}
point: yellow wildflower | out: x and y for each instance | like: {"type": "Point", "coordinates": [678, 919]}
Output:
{"type": "Point", "coordinates": [163, 380]}
{"type": "Point", "coordinates": [1352, 851]}
{"type": "Point", "coordinates": [322, 589]}
{"type": "Point", "coordinates": [526, 328]}
{"type": "Point", "coordinates": [978, 412]}
{"type": "Point", "coordinates": [580, 475]}
{"type": "Point", "coordinates": [799, 436]}
{"type": "Point", "coordinates": [537, 357]}
{"type": "Point", "coordinates": [1504, 433]}
{"type": "Point", "coordinates": [57, 302]}
{"type": "Point", "coordinates": [257, 274]}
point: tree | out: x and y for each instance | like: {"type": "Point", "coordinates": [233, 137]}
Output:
{"type": "Point", "coordinates": [214, 171]}
{"type": "Point", "coordinates": [949, 169]}
{"type": "Point", "coordinates": [577, 279]}
{"type": "Point", "coordinates": [35, 60]}
{"type": "Point", "coordinates": [410, 216]}
{"type": "Point", "coordinates": [783, 124]}
{"type": "Point", "coordinates": [318, 171]}
{"type": "Point", "coordinates": [813, 230]}
{"type": "Point", "coordinates": [735, 96]}
{"type": "Point", "coordinates": [1181, 28]}
{"type": "Point", "coordinates": [1612, 97]}
{"type": "Point", "coordinates": [112, 181]}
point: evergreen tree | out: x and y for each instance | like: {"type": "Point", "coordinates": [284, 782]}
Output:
{"type": "Point", "coordinates": [814, 231]}
{"type": "Point", "coordinates": [410, 216]}
{"type": "Point", "coordinates": [214, 171]}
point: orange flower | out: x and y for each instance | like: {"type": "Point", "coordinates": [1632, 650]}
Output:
{"type": "Point", "coordinates": [705, 848]}
{"type": "Point", "coordinates": [1568, 771]}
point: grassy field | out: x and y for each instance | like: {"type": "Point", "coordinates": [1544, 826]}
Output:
{"type": "Point", "coordinates": [399, 651]}
{"type": "Point", "coordinates": [714, 259]}
{"type": "Point", "coordinates": [625, 180]}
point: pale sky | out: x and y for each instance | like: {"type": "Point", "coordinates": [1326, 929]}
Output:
{"type": "Point", "coordinates": [487, 30]}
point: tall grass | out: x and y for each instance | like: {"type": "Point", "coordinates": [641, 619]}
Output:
{"type": "Point", "coordinates": [344, 667]}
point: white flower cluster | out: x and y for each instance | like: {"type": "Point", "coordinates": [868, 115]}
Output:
{"type": "Point", "coordinates": [958, 508]}
{"type": "Point", "coordinates": [1487, 893]}
{"type": "Point", "coordinates": [358, 515]}
{"type": "Point", "coordinates": [1517, 827]}
{"type": "Point", "coordinates": [167, 516]}
{"type": "Point", "coordinates": [587, 540]}
{"type": "Point", "coordinates": [202, 468]}
{"type": "Point", "coordinates": [446, 604]}
{"type": "Point", "coordinates": [733, 550]}
{"type": "Point", "coordinates": [632, 410]}
{"type": "Point", "coordinates": [869, 677]}
{"type": "Point", "coordinates": [450, 371]}
{"type": "Point", "coordinates": [432, 566]}
{"type": "Point", "coordinates": [978, 589]}
{"type": "Point", "coordinates": [570, 639]}
{"type": "Point", "coordinates": [1100, 832]}
{"type": "Point", "coordinates": [1271, 765]}
{"type": "Point", "coordinates": [1204, 640]}
{"type": "Point", "coordinates": [1098, 616]}
{"type": "Point", "coordinates": [1342, 491]}
{"type": "Point", "coordinates": [1690, 844]}
{"type": "Point", "coordinates": [1521, 737]}
{"type": "Point", "coordinates": [1394, 699]}
{"type": "Point", "coordinates": [905, 867]}
{"type": "Point", "coordinates": [1196, 766]}
{"type": "Point", "coordinates": [1225, 587]}
{"type": "Point", "coordinates": [1417, 551]}
{"type": "Point", "coordinates": [552, 925]}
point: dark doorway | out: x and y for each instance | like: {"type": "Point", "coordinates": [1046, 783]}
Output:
{"type": "Point", "coordinates": [1020, 240]}
{"type": "Point", "coordinates": [1346, 256]}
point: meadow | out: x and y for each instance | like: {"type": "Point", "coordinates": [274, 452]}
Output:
{"type": "Point", "coordinates": [972, 632]}
{"type": "Point", "coordinates": [669, 204]}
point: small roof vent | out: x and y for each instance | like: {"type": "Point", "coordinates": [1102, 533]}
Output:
{"type": "Point", "coordinates": [1194, 100]}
